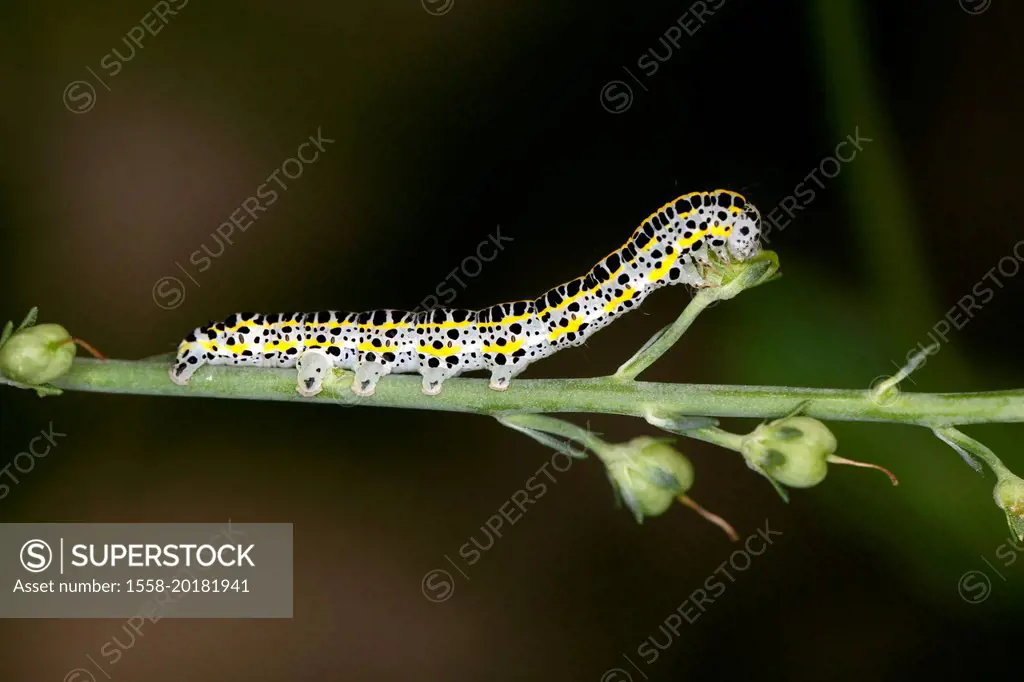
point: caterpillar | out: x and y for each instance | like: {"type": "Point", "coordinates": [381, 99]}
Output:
{"type": "Point", "coordinates": [671, 246]}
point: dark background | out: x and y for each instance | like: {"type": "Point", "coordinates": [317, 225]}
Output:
{"type": "Point", "coordinates": [446, 127]}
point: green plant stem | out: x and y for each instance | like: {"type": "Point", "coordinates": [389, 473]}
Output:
{"type": "Point", "coordinates": [969, 447]}
{"type": "Point", "coordinates": [708, 434]}
{"type": "Point", "coordinates": [716, 436]}
{"type": "Point", "coordinates": [556, 427]}
{"type": "Point", "coordinates": [600, 395]}
{"type": "Point", "coordinates": [760, 270]}
{"type": "Point", "coordinates": [666, 338]}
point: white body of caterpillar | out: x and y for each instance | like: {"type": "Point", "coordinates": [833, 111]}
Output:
{"type": "Point", "coordinates": [669, 247]}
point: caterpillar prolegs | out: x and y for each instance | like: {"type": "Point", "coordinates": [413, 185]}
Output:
{"type": "Point", "coordinates": [670, 247]}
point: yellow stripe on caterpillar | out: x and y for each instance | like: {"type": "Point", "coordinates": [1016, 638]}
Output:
{"type": "Point", "coordinates": [565, 303]}
{"type": "Point", "coordinates": [627, 294]}
{"type": "Point", "coordinates": [573, 326]}
{"type": "Point", "coordinates": [368, 347]}
{"type": "Point", "coordinates": [666, 265]}
{"type": "Point", "coordinates": [507, 348]}
{"type": "Point", "coordinates": [442, 352]}
{"type": "Point", "coordinates": [443, 325]}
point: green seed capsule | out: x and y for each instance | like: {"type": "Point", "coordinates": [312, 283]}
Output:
{"type": "Point", "coordinates": [649, 474]}
{"type": "Point", "coordinates": [793, 451]}
{"type": "Point", "coordinates": [37, 355]}
{"type": "Point", "coordinates": [1009, 494]}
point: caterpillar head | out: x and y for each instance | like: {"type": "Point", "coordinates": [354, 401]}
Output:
{"type": "Point", "coordinates": [745, 237]}
{"type": "Point", "coordinates": [190, 356]}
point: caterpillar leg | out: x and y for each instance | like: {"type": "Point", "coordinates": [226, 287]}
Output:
{"type": "Point", "coordinates": [367, 376]}
{"type": "Point", "coordinates": [502, 376]}
{"type": "Point", "coordinates": [313, 366]}
{"type": "Point", "coordinates": [433, 378]}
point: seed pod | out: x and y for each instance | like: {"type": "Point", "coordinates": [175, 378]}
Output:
{"type": "Point", "coordinates": [793, 451]}
{"type": "Point", "coordinates": [1009, 494]}
{"type": "Point", "coordinates": [37, 355]}
{"type": "Point", "coordinates": [649, 475]}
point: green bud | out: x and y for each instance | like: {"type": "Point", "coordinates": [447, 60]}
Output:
{"type": "Point", "coordinates": [793, 451]}
{"type": "Point", "coordinates": [649, 475]}
{"type": "Point", "coordinates": [38, 354]}
{"type": "Point", "coordinates": [1009, 494]}
{"type": "Point", "coordinates": [740, 275]}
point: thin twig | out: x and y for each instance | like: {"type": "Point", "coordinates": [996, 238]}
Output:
{"type": "Point", "coordinates": [601, 395]}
